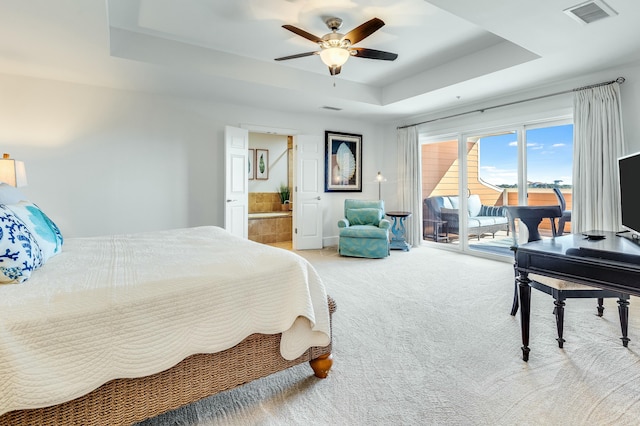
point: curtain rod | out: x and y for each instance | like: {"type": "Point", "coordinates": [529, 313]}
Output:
{"type": "Point", "coordinates": [618, 80]}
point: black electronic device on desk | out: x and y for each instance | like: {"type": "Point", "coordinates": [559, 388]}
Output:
{"type": "Point", "coordinates": [629, 235]}
{"type": "Point", "coordinates": [594, 235]}
{"type": "Point", "coordinates": [629, 170]}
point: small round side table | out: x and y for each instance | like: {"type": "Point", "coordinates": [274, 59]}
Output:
{"type": "Point", "coordinates": [398, 231]}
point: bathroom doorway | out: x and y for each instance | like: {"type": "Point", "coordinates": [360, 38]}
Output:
{"type": "Point", "coordinates": [270, 189]}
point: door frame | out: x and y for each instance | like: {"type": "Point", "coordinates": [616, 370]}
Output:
{"type": "Point", "coordinates": [255, 128]}
{"type": "Point", "coordinates": [236, 188]}
{"type": "Point", "coordinates": [309, 189]}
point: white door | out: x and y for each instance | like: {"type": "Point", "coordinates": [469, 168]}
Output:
{"type": "Point", "coordinates": [236, 191]}
{"type": "Point", "coordinates": [307, 220]}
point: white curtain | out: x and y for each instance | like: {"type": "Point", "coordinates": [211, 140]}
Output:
{"type": "Point", "coordinates": [597, 143]}
{"type": "Point", "coordinates": [409, 182]}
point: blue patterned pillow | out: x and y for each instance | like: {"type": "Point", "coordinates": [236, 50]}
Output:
{"type": "Point", "coordinates": [42, 228]}
{"type": "Point", "coordinates": [364, 216]}
{"type": "Point", "coordinates": [492, 211]}
{"type": "Point", "coordinates": [20, 253]}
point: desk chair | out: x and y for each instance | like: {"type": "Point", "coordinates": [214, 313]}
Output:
{"type": "Point", "coordinates": [560, 290]}
{"type": "Point", "coordinates": [566, 214]}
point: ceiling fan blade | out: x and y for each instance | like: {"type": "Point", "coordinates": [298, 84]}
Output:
{"type": "Point", "coordinates": [303, 33]}
{"type": "Point", "coordinates": [364, 30]}
{"type": "Point", "coordinates": [335, 70]}
{"type": "Point", "coordinates": [361, 52]}
{"type": "Point", "coordinates": [299, 55]}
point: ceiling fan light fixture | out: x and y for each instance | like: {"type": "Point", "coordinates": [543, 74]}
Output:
{"type": "Point", "coordinates": [334, 56]}
{"type": "Point", "coordinates": [335, 48]}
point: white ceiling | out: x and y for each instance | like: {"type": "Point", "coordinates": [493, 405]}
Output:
{"type": "Point", "coordinates": [450, 52]}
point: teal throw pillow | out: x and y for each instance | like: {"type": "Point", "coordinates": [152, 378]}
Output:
{"type": "Point", "coordinates": [20, 253]}
{"type": "Point", "coordinates": [43, 229]}
{"type": "Point", "coordinates": [364, 216]}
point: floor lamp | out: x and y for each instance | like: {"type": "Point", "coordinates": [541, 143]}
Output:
{"type": "Point", "coordinates": [380, 179]}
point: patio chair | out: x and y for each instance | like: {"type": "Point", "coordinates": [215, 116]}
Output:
{"type": "Point", "coordinates": [560, 290]}
{"type": "Point", "coordinates": [566, 214]}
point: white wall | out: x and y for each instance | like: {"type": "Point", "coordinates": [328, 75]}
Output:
{"type": "Point", "coordinates": [278, 161]}
{"type": "Point", "coordinates": [103, 161]}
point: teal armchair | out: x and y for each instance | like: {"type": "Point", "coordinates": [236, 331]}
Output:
{"type": "Point", "coordinates": [364, 232]}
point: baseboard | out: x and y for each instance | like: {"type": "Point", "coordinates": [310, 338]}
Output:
{"type": "Point", "coordinates": [330, 241]}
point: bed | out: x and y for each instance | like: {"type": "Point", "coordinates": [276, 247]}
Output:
{"type": "Point", "coordinates": [117, 329]}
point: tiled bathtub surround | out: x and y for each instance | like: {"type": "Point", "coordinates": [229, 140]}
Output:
{"type": "Point", "coordinates": [272, 229]}
{"type": "Point", "coordinates": [264, 202]}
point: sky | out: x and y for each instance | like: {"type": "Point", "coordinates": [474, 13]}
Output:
{"type": "Point", "coordinates": [549, 156]}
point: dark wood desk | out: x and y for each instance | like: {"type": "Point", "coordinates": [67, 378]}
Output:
{"type": "Point", "coordinates": [611, 263]}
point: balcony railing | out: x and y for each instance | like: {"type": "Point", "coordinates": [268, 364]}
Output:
{"type": "Point", "coordinates": [540, 197]}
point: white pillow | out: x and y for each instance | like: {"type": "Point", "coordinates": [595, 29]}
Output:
{"type": "Point", "coordinates": [10, 195]}
{"type": "Point", "coordinates": [474, 204]}
{"type": "Point", "coordinates": [20, 253]}
{"type": "Point", "coordinates": [43, 229]}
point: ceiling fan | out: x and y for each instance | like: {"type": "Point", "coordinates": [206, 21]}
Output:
{"type": "Point", "coordinates": [336, 48]}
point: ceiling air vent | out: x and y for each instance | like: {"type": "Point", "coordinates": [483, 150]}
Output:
{"type": "Point", "coordinates": [590, 11]}
{"type": "Point", "coordinates": [330, 108]}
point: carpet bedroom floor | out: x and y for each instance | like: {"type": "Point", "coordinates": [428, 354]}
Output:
{"type": "Point", "coordinates": [425, 338]}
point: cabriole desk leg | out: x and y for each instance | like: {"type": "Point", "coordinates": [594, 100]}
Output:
{"type": "Point", "coordinates": [525, 311]}
{"type": "Point", "coordinates": [623, 311]}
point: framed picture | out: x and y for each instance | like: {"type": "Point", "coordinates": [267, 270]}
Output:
{"type": "Point", "coordinates": [262, 164]}
{"type": "Point", "coordinates": [343, 162]}
{"type": "Point", "coordinates": [251, 168]}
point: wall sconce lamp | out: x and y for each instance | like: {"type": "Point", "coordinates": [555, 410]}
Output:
{"type": "Point", "coordinates": [380, 179]}
{"type": "Point", "coordinates": [12, 172]}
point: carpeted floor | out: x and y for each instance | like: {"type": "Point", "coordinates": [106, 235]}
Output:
{"type": "Point", "coordinates": [425, 338]}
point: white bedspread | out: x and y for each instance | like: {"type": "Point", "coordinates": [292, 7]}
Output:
{"type": "Point", "coordinates": [134, 305]}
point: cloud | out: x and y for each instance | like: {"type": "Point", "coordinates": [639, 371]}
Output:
{"type": "Point", "coordinates": [532, 145]}
{"type": "Point", "coordinates": [497, 176]}
{"type": "Point", "coordinates": [557, 145]}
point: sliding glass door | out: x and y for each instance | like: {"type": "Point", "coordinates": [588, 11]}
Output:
{"type": "Point", "coordinates": [477, 173]}
{"type": "Point", "coordinates": [549, 166]}
{"type": "Point", "coordinates": [492, 178]}
{"type": "Point", "coordinates": [440, 186]}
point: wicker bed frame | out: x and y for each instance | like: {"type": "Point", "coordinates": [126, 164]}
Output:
{"type": "Point", "coordinates": [126, 401]}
